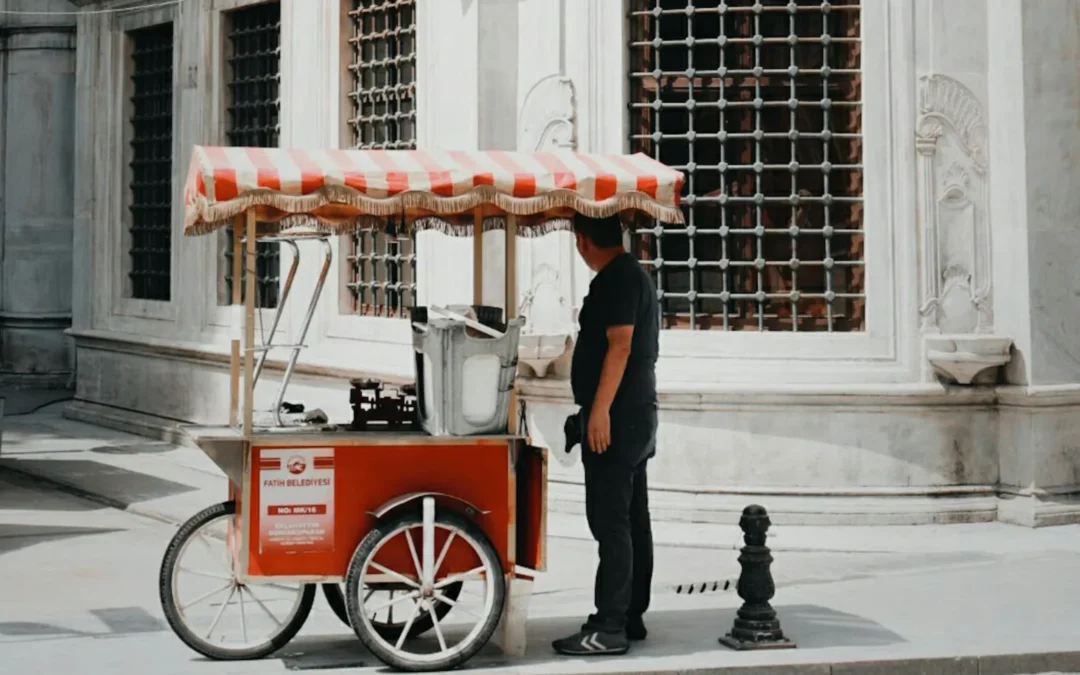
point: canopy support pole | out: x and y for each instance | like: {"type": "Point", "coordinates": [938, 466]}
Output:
{"type": "Point", "coordinates": [237, 298]}
{"type": "Point", "coordinates": [249, 323]}
{"type": "Point", "coordinates": [511, 304]}
{"type": "Point", "coordinates": [478, 257]}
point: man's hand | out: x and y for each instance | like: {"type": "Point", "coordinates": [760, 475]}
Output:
{"type": "Point", "coordinates": [599, 432]}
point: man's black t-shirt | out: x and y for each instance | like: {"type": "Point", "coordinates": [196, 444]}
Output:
{"type": "Point", "coordinates": [621, 294]}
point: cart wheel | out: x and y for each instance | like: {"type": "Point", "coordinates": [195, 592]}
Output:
{"type": "Point", "coordinates": [473, 565]}
{"type": "Point", "coordinates": [389, 629]}
{"type": "Point", "coordinates": [204, 603]}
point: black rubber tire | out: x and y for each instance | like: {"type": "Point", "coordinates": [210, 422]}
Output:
{"type": "Point", "coordinates": [172, 612]}
{"type": "Point", "coordinates": [353, 589]}
{"type": "Point", "coordinates": [335, 597]}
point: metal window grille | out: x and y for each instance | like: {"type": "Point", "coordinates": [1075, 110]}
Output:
{"type": "Point", "coordinates": [383, 68]}
{"type": "Point", "coordinates": [254, 105]}
{"type": "Point", "coordinates": [151, 162]}
{"type": "Point", "coordinates": [759, 103]}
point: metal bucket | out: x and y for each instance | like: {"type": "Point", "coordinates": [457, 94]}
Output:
{"type": "Point", "coordinates": [463, 381]}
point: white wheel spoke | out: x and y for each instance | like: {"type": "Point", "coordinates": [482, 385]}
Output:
{"type": "Point", "coordinates": [475, 573]}
{"type": "Point", "coordinates": [208, 575]}
{"type": "Point", "coordinates": [243, 617]}
{"type": "Point", "coordinates": [393, 601]}
{"type": "Point", "coordinates": [408, 626]}
{"type": "Point", "coordinates": [453, 605]}
{"type": "Point", "coordinates": [206, 596]}
{"type": "Point", "coordinates": [400, 577]}
{"type": "Point", "coordinates": [438, 628]}
{"type": "Point", "coordinates": [415, 558]}
{"type": "Point", "coordinates": [427, 574]}
{"type": "Point", "coordinates": [442, 554]}
{"type": "Point", "coordinates": [221, 611]}
{"type": "Point", "coordinates": [371, 592]}
{"type": "Point", "coordinates": [264, 608]}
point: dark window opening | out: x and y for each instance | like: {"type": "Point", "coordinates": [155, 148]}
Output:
{"type": "Point", "coordinates": [151, 162]}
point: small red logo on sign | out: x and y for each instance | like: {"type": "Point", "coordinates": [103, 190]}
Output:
{"type": "Point", "coordinates": [296, 464]}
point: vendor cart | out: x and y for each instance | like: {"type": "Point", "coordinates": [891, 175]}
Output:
{"type": "Point", "coordinates": [424, 523]}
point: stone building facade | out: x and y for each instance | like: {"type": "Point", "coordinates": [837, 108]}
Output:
{"type": "Point", "coordinates": [871, 316]}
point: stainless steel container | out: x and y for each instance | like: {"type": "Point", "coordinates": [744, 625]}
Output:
{"type": "Point", "coordinates": [464, 379]}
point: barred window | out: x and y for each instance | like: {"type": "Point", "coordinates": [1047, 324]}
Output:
{"type": "Point", "coordinates": [382, 266]}
{"type": "Point", "coordinates": [254, 64]}
{"type": "Point", "coordinates": [758, 102]}
{"type": "Point", "coordinates": [151, 162]}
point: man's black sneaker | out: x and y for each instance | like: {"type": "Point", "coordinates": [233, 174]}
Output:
{"type": "Point", "coordinates": [635, 628]}
{"type": "Point", "coordinates": [592, 643]}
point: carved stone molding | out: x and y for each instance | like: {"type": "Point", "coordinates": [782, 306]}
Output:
{"type": "Point", "coordinates": [548, 117]}
{"type": "Point", "coordinates": [951, 141]}
{"type": "Point", "coordinates": [547, 121]}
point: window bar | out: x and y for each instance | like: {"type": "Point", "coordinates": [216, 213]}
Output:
{"type": "Point", "coordinates": [793, 93]}
{"type": "Point", "coordinates": [825, 135]}
{"type": "Point", "coordinates": [759, 228]}
{"type": "Point", "coordinates": [691, 230]}
{"type": "Point", "coordinates": [658, 227]}
{"type": "Point", "coordinates": [728, 280]}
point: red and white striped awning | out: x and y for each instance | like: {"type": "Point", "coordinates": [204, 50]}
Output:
{"type": "Point", "coordinates": [336, 190]}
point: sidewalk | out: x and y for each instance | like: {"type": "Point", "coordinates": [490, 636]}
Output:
{"type": "Point", "coordinates": [968, 599]}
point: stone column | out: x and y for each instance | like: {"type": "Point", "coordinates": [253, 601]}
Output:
{"type": "Point", "coordinates": [1034, 130]}
{"type": "Point", "coordinates": [36, 220]}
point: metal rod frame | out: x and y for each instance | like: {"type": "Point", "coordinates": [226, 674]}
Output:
{"type": "Point", "coordinates": [264, 350]}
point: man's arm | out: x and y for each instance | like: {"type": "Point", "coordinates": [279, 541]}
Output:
{"type": "Point", "coordinates": [611, 374]}
{"type": "Point", "coordinates": [620, 315]}
{"type": "Point", "coordinates": [618, 352]}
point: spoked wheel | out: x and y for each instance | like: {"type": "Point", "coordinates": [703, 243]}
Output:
{"type": "Point", "coordinates": [411, 564]}
{"type": "Point", "coordinates": [388, 627]}
{"type": "Point", "coordinates": [210, 610]}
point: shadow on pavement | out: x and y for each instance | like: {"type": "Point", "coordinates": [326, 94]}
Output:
{"type": "Point", "coordinates": [16, 537]}
{"type": "Point", "coordinates": [671, 633]}
{"type": "Point", "coordinates": [95, 478]}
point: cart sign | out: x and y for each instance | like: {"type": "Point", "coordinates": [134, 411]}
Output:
{"type": "Point", "coordinates": [296, 492]}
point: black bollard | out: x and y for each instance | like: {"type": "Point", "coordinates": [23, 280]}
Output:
{"type": "Point", "coordinates": [756, 625]}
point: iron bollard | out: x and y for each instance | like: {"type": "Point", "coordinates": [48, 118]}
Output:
{"type": "Point", "coordinates": [756, 625]}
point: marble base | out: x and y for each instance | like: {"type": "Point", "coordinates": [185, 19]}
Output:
{"type": "Point", "coordinates": [895, 455]}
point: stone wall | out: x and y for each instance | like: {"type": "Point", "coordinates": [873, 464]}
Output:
{"type": "Point", "coordinates": [911, 421]}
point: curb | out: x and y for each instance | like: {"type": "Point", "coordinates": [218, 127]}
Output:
{"type": "Point", "coordinates": [76, 491]}
{"type": "Point", "coordinates": [1052, 663]}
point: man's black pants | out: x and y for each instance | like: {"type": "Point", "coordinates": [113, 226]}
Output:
{"type": "Point", "coordinates": [617, 508]}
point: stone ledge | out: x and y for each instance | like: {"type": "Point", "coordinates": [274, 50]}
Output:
{"type": "Point", "coordinates": [202, 353]}
{"type": "Point", "coordinates": [718, 508]}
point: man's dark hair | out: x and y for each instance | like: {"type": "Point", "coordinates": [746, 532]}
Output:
{"type": "Point", "coordinates": [602, 232]}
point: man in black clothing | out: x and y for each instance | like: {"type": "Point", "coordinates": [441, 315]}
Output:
{"type": "Point", "coordinates": [613, 377]}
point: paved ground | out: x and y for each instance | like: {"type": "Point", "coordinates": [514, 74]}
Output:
{"type": "Point", "coordinates": [960, 599]}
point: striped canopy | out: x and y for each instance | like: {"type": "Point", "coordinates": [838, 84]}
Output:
{"type": "Point", "coordinates": [339, 190]}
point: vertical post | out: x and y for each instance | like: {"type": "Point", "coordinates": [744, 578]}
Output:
{"type": "Point", "coordinates": [249, 323]}
{"type": "Point", "coordinates": [756, 626]}
{"type": "Point", "coordinates": [478, 257]}
{"type": "Point", "coordinates": [237, 298]}
{"type": "Point", "coordinates": [511, 303]}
